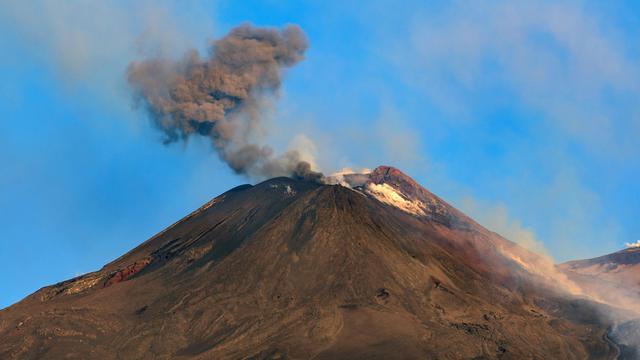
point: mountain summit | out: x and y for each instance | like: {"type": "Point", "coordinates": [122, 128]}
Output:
{"type": "Point", "coordinates": [373, 266]}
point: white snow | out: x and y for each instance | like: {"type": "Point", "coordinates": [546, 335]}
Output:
{"type": "Point", "coordinates": [287, 189]}
{"type": "Point", "coordinates": [389, 195]}
{"type": "Point", "coordinates": [633, 245]}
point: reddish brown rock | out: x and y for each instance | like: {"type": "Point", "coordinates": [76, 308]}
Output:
{"type": "Point", "coordinates": [127, 272]}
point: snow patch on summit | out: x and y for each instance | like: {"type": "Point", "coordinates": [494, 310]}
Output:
{"type": "Point", "coordinates": [633, 245]}
{"type": "Point", "coordinates": [389, 195]}
{"type": "Point", "coordinates": [287, 189]}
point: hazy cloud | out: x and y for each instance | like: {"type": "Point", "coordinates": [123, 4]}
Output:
{"type": "Point", "coordinates": [558, 58]}
{"type": "Point", "coordinates": [497, 218]}
{"type": "Point", "coordinates": [91, 42]}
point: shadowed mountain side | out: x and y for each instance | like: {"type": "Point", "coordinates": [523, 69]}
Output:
{"type": "Point", "coordinates": [296, 269]}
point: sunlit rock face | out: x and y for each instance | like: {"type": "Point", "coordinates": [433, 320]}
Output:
{"type": "Point", "coordinates": [370, 266]}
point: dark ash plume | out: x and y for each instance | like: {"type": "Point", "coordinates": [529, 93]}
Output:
{"type": "Point", "coordinates": [222, 96]}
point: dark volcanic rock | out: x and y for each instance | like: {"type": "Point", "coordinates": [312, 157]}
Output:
{"type": "Point", "coordinates": [293, 269]}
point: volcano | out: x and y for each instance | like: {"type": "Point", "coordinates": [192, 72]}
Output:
{"type": "Point", "coordinates": [371, 267]}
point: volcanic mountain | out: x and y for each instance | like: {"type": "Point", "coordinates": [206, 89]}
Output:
{"type": "Point", "coordinates": [615, 279]}
{"type": "Point", "coordinates": [372, 267]}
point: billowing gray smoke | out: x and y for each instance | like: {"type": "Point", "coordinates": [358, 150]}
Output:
{"type": "Point", "coordinates": [222, 96]}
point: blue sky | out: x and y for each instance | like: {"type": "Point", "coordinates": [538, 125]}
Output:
{"type": "Point", "coordinates": [523, 114]}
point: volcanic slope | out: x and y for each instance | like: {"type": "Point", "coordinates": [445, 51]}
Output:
{"type": "Point", "coordinates": [291, 269]}
{"type": "Point", "coordinates": [615, 279]}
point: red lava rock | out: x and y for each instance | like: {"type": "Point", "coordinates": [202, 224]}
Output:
{"type": "Point", "coordinates": [124, 274]}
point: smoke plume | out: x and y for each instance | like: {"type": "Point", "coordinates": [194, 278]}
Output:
{"type": "Point", "coordinates": [222, 96]}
